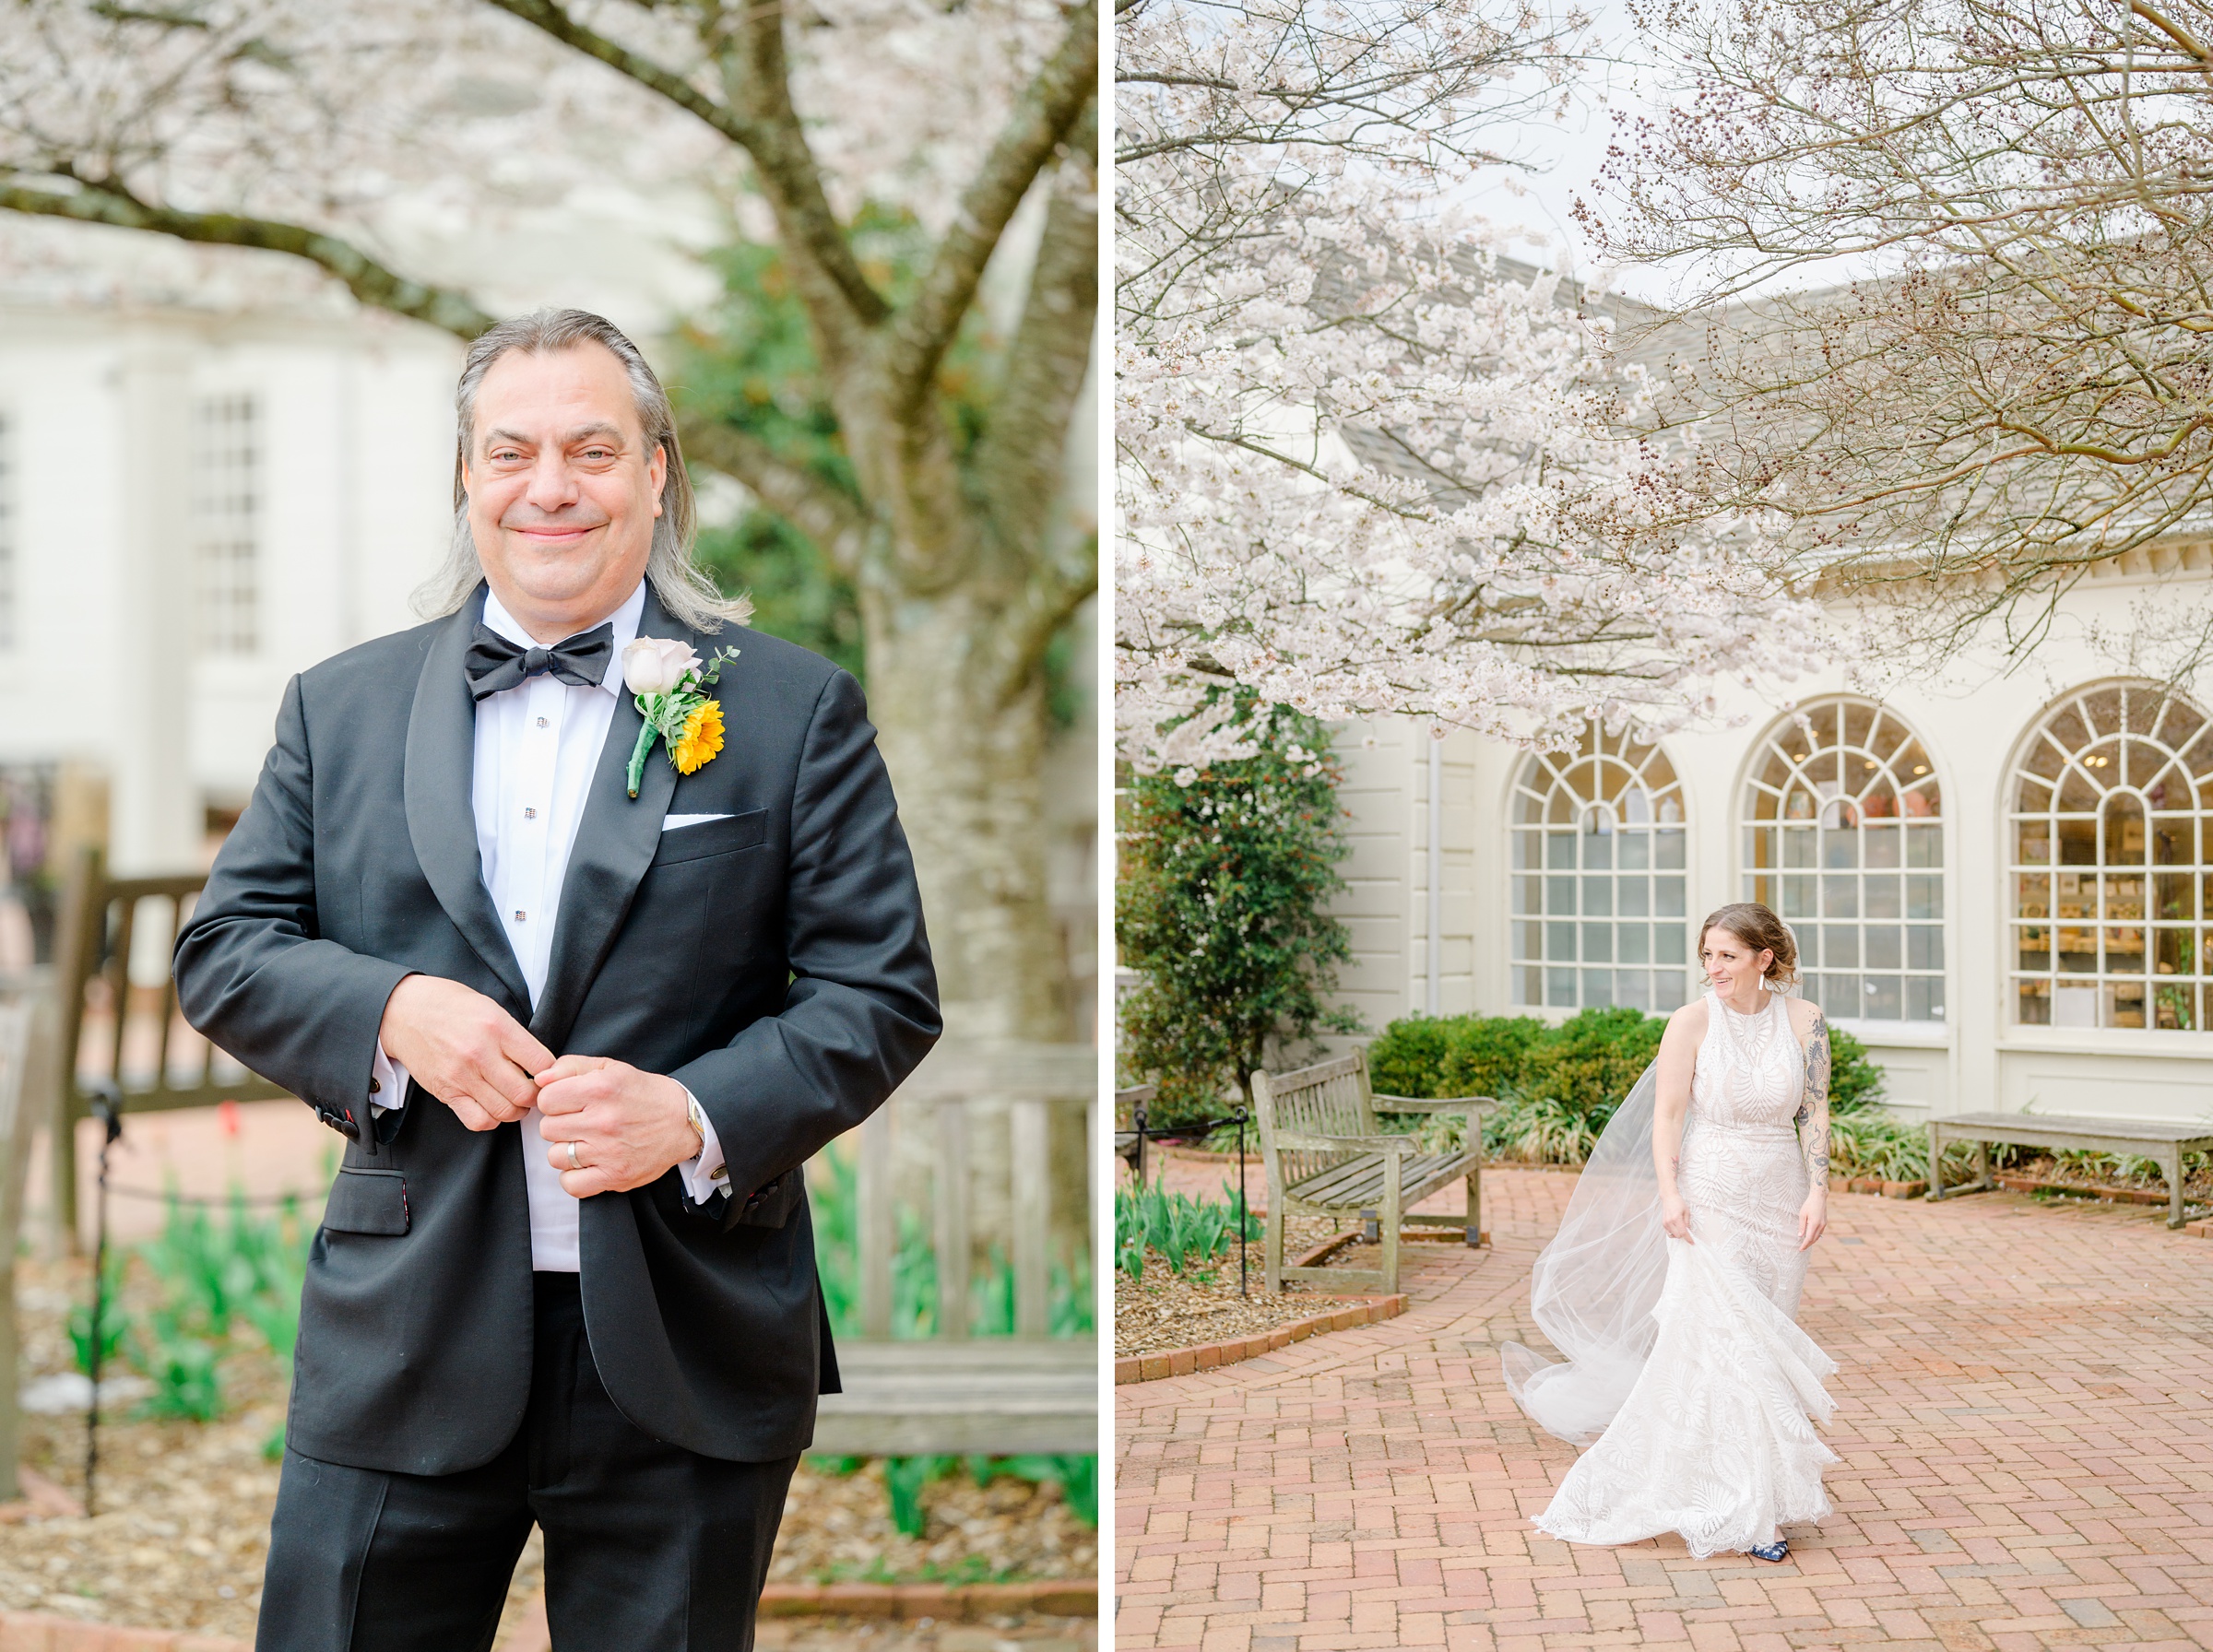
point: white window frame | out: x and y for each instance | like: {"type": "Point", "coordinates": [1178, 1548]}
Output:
{"type": "Point", "coordinates": [1577, 826]}
{"type": "Point", "coordinates": [227, 496]}
{"type": "Point", "coordinates": [1842, 821]}
{"type": "Point", "coordinates": [2098, 759]}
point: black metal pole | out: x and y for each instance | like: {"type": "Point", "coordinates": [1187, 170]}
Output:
{"type": "Point", "coordinates": [110, 1122]}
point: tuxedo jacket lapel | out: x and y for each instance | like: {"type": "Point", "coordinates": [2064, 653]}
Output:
{"type": "Point", "coordinates": [615, 843]}
{"type": "Point", "coordinates": [439, 786]}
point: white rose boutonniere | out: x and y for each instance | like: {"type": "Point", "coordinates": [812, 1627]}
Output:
{"type": "Point", "coordinates": [669, 683]}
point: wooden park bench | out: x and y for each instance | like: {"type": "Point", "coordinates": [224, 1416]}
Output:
{"type": "Point", "coordinates": [2145, 1139]}
{"type": "Point", "coordinates": [957, 1394]}
{"type": "Point", "coordinates": [143, 1047]}
{"type": "Point", "coordinates": [1326, 1155]}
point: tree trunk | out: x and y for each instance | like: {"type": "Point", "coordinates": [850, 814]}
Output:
{"type": "Point", "coordinates": [965, 759]}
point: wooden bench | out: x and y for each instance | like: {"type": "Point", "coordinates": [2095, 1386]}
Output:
{"type": "Point", "coordinates": [956, 1393]}
{"type": "Point", "coordinates": [1326, 1155]}
{"type": "Point", "coordinates": [2139, 1137]}
{"type": "Point", "coordinates": [144, 1046]}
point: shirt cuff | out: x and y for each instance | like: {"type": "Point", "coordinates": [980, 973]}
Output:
{"type": "Point", "coordinates": [387, 1083]}
{"type": "Point", "coordinates": [704, 1177]}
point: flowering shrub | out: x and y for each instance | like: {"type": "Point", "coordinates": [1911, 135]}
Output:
{"type": "Point", "coordinates": [1225, 873]}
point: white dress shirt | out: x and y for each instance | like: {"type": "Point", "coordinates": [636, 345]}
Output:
{"type": "Point", "coordinates": [536, 752]}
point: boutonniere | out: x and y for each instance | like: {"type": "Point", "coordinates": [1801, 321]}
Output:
{"type": "Point", "coordinates": [671, 683]}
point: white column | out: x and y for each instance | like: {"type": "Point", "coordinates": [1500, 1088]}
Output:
{"type": "Point", "coordinates": [155, 817]}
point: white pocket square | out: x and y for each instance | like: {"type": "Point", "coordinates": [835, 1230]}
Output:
{"type": "Point", "coordinates": [678, 822]}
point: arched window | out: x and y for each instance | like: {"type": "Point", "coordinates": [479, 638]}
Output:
{"type": "Point", "coordinates": [1843, 836]}
{"type": "Point", "coordinates": [2109, 795]}
{"type": "Point", "coordinates": [1598, 881]}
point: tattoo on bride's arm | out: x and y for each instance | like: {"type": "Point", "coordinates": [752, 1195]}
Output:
{"type": "Point", "coordinates": [1813, 1109]}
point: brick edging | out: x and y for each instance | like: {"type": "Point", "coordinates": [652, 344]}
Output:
{"type": "Point", "coordinates": [1052, 1597]}
{"type": "Point", "coordinates": [1206, 1356]}
{"type": "Point", "coordinates": [48, 1632]}
{"type": "Point", "coordinates": [1060, 1597]}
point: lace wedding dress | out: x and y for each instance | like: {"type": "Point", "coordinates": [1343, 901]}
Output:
{"type": "Point", "coordinates": [1702, 1407]}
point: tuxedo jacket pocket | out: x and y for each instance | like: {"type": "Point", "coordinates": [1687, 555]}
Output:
{"type": "Point", "coordinates": [367, 1201]}
{"type": "Point", "coordinates": [771, 1205]}
{"type": "Point", "coordinates": [709, 838]}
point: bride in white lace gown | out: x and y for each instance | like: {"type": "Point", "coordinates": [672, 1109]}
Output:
{"type": "Point", "coordinates": [1674, 1287]}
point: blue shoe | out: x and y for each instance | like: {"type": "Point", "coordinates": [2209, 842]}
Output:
{"type": "Point", "coordinates": [1775, 1551]}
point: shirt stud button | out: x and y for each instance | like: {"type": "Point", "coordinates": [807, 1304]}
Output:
{"type": "Point", "coordinates": [541, 722]}
{"type": "Point", "coordinates": [529, 814]}
{"type": "Point", "coordinates": [520, 914]}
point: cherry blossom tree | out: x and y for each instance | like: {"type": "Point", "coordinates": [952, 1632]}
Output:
{"type": "Point", "coordinates": [1947, 266]}
{"type": "Point", "coordinates": [362, 137]}
{"type": "Point", "coordinates": [1365, 465]}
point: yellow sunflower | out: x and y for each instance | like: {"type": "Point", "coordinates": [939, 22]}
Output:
{"type": "Point", "coordinates": [700, 739]}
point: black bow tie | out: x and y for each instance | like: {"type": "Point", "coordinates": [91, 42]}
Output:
{"type": "Point", "coordinates": [494, 663]}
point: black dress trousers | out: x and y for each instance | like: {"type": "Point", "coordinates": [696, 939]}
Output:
{"type": "Point", "coordinates": [647, 1545]}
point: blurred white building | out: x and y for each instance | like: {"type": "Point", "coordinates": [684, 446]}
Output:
{"type": "Point", "coordinates": [211, 475]}
{"type": "Point", "coordinates": [2002, 884]}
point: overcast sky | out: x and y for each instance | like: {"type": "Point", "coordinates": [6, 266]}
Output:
{"type": "Point", "coordinates": [1539, 205]}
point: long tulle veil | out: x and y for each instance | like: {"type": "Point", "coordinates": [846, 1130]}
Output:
{"type": "Point", "coordinates": [1594, 1286]}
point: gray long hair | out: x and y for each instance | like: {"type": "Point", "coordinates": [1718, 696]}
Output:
{"type": "Point", "coordinates": [685, 589]}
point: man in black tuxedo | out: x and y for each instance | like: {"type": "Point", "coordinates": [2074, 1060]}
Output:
{"type": "Point", "coordinates": [580, 1044]}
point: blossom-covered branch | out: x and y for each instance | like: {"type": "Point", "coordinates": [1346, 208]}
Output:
{"type": "Point", "coordinates": [1365, 465]}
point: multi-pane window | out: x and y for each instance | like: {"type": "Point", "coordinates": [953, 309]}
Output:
{"type": "Point", "coordinates": [1598, 913]}
{"type": "Point", "coordinates": [2110, 878]}
{"type": "Point", "coordinates": [1843, 837]}
{"type": "Point", "coordinates": [226, 520]}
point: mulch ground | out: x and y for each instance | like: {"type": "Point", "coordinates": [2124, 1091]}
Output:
{"type": "Point", "coordinates": [181, 1527]}
{"type": "Point", "coordinates": [2197, 1185]}
{"type": "Point", "coordinates": [1167, 1310]}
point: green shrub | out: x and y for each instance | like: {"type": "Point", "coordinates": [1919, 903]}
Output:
{"type": "Point", "coordinates": [1854, 1080]}
{"type": "Point", "coordinates": [1221, 909]}
{"type": "Point", "coordinates": [1408, 1057]}
{"type": "Point", "coordinates": [1557, 1086]}
{"type": "Point", "coordinates": [1488, 1055]}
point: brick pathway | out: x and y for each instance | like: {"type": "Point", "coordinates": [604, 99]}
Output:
{"type": "Point", "coordinates": [2025, 1416]}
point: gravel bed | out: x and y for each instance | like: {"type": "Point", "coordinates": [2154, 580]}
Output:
{"type": "Point", "coordinates": [181, 1529]}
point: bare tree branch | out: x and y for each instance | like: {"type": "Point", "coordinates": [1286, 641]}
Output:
{"type": "Point", "coordinates": [765, 125]}
{"type": "Point", "coordinates": [1021, 459]}
{"type": "Point", "coordinates": [369, 281]}
{"type": "Point", "coordinates": [550, 19]}
{"type": "Point", "coordinates": [1064, 86]}
{"type": "Point", "coordinates": [812, 237]}
{"type": "Point", "coordinates": [838, 527]}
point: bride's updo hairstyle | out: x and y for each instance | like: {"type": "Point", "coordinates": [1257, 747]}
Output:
{"type": "Point", "coordinates": [1760, 928]}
